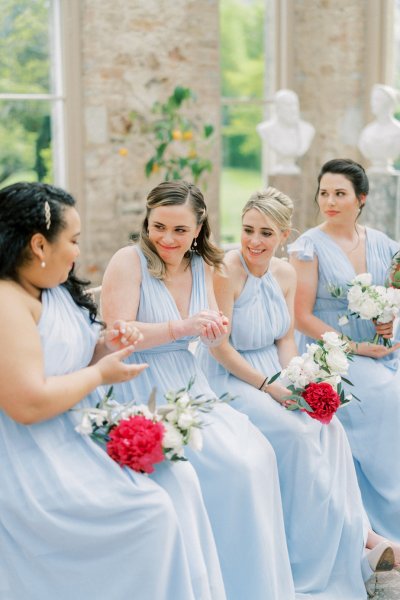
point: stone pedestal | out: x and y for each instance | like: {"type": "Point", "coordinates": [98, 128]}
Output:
{"type": "Point", "coordinates": [382, 209]}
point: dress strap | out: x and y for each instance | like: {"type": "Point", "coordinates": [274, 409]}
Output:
{"type": "Point", "coordinates": [245, 267]}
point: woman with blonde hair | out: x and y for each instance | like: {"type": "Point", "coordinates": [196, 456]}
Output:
{"type": "Point", "coordinates": [321, 499]}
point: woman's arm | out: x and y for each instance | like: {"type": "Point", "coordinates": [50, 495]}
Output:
{"type": "Point", "coordinates": [120, 297]}
{"type": "Point", "coordinates": [308, 323]}
{"type": "Point", "coordinates": [26, 394]}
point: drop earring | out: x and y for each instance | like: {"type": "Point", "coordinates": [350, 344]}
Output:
{"type": "Point", "coordinates": [43, 264]}
{"type": "Point", "coordinates": [194, 244]}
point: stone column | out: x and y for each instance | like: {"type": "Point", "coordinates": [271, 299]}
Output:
{"type": "Point", "coordinates": [132, 54]}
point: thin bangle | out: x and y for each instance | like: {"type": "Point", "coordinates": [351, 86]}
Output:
{"type": "Point", "coordinates": [171, 333]}
{"type": "Point", "coordinates": [263, 383]}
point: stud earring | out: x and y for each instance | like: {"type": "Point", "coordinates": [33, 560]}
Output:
{"type": "Point", "coordinates": [43, 264]}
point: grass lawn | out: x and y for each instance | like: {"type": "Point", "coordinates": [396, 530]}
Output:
{"type": "Point", "coordinates": [236, 187]}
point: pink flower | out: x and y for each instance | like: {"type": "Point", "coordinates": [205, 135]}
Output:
{"type": "Point", "coordinates": [137, 443]}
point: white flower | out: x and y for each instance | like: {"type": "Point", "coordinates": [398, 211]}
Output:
{"type": "Point", "coordinates": [172, 438]}
{"type": "Point", "coordinates": [369, 309]}
{"type": "Point", "coordinates": [355, 296]}
{"type": "Point", "coordinates": [186, 419]}
{"type": "Point", "coordinates": [343, 320]}
{"type": "Point", "coordinates": [172, 416]}
{"type": "Point", "coordinates": [332, 339]}
{"type": "Point", "coordinates": [85, 427]}
{"type": "Point", "coordinates": [195, 439]}
{"type": "Point", "coordinates": [363, 279]}
{"type": "Point", "coordinates": [312, 349]}
{"type": "Point", "coordinates": [337, 361]}
{"type": "Point", "coordinates": [100, 417]}
{"type": "Point", "coordinates": [184, 400]}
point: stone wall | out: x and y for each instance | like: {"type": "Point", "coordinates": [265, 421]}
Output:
{"type": "Point", "coordinates": [328, 63]}
{"type": "Point", "coordinates": [134, 53]}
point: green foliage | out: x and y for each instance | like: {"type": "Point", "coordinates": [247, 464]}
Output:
{"type": "Point", "coordinates": [24, 68]}
{"type": "Point", "coordinates": [176, 137]}
{"type": "Point", "coordinates": [242, 70]}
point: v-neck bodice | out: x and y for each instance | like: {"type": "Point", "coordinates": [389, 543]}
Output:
{"type": "Point", "coordinates": [165, 308]}
{"type": "Point", "coordinates": [335, 269]}
{"type": "Point", "coordinates": [343, 253]}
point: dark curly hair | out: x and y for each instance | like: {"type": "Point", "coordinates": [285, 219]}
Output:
{"type": "Point", "coordinates": [22, 214]}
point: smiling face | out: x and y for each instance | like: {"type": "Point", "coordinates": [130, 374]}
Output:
{"type": "Point", "coordinates": [61, 254]}
{"type": "Point", "coordinates": [172, 229]}
{"type": "Point", "coordinates": [260, 239]}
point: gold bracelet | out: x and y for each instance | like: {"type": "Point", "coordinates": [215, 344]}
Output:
{"type": "Point", "coordinates": [171, 333]}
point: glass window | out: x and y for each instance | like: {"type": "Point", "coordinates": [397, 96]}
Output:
{"type": "Point", "coordinates": [31, 99]}
{"type": "Point", "coordinates": [242, 24]}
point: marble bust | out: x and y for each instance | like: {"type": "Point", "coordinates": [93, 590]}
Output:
{"type": "Point", "coordinates": [380, 140]}
{"type": "Point", "coordinates": [287, 135]}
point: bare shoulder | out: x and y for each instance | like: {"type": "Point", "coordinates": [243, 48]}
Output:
{"type": "Point", "coordinates": [15, 302]}
{"type": "Point", "coordinates": [233, 263]}
{"type": "Point", "coordinates": [125, 261]}
{"type": "Point", "coordinates": [283, 272]}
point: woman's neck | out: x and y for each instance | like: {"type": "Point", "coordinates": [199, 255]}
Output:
{"type": "Point", "coordinates": [348, 231]}
{"type": "Point", "coordinates": [258, 270]}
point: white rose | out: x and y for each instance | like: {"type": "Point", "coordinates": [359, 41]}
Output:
{"type": "Point", "coordinates": [393, 297]}
{"type": "Point", "coordinates": [172, 438]}
{"type": "Point", "coordinates": [363, 279]}
{"type": "Point", "coordinates": [369, 309]}
{"type": "Point", "coordinates": [172, 416]}
{"type": "Point", "coordinates": [332, 339]}
{"type": "Point", "coordinates": [343, 320]}
{"type": "Point", "coordinates": [355, 296]}
{"type": "Point", "coordinates": [312, 349]}
{"type": "Point", "coordinates": [195, 439]}
{"type": "Point", "coordinates": [310, 369]}
{"type": "Point", "coordinates": [337, 361]}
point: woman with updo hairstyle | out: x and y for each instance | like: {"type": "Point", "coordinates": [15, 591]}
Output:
{"type": "Point", "coordinates": [163, 286]}
{"type": "Point", "coordinates": [73, 523]}
{"type": "Point", "coordinates": [321, 500]}
{"type": "Point", "coordinates": [327, 258]}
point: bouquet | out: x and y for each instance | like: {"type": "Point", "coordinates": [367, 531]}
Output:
{"type": "Point", "coordinates": [141, 435]}
{"type": "Point", "coordinates": [316, 378]}
{"type": "Point", "coordinates": [372, 302]}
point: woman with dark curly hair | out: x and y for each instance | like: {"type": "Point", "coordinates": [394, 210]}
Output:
{"type": "Point", "coordinates": [73, 523]}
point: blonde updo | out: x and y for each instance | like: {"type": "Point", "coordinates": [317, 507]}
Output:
{"type": "Point", "coordinates": [274, 204]}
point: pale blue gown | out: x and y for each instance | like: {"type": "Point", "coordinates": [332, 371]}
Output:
{"type": "Point", "coordinates": [236, 467]}
{"type": "Point", "coordinates": [73, 523]}
{"type": "Point", "coordinates": [373, 424]}
{"type": "Point", "coordinates": [321, 499]}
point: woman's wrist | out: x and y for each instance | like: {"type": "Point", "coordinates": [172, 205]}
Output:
{"type": "Point", "coordinates": [264, 383]}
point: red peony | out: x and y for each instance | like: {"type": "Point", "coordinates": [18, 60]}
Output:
{"type": "Point", "coordinates": [137, 443]}
{"type": "Point", "coordinates": [323, 399]}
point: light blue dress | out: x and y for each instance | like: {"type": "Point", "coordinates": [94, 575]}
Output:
{"type": "Point", "coordinates": [373, 424]}
{"type": "Point", "coordinates": [236, 467]}
{"type": "Point", "coordinates": [73, 523]}
{"type": "Point", "coordinates": [321, 499]}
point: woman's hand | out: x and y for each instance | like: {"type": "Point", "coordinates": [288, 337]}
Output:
{"type": "Point", "coordinates": [208, 324]}
{"type": "Point", "coordinates": [279, 393]}
{"type": "Point", "coordinates": [384, 329]}
{"type": "Point", "coordinates": [121, 335]}
{"type": "Point", "coordinates": [372, 350]}
{"type": "Point", "coordinates": [113, 370]}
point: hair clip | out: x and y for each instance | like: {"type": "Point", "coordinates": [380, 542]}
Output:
{"type": "Point", "coordinates": [47, 214]}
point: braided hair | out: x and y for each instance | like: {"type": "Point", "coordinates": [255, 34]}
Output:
{"type": "Point", "coordinates": [29, 208]}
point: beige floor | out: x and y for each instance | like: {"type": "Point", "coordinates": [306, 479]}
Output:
{"type": "Point", "coordinates": [387, 586]}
